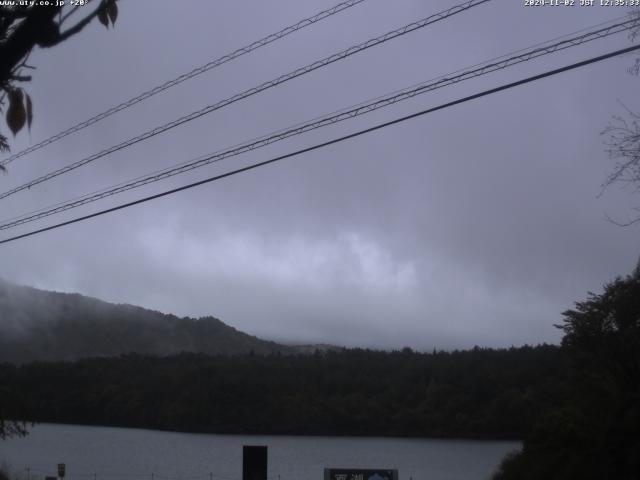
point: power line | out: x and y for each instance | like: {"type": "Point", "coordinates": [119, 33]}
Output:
{"type": "Point", "coordinates": [331, 142]}
{"type": "Point", "coordinates": [252, 91]}
{"type": "Point", "coordinates": [186, 76]}
{"type": "Point", "coordinates": [342, 115]}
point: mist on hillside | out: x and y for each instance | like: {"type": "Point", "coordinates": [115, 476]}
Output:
{"type": "Point", "coordinates": [41, 325]}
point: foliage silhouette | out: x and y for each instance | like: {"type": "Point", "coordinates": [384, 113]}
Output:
{"type": "Point", "coordinates": [595, 432]}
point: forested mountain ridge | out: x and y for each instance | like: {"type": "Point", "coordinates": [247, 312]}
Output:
{"type": "Point", "coordinates": [478, 393]}
{"type": "Point", "coordinates": [38, 325]}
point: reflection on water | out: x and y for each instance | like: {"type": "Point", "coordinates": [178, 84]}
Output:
{"type": "Point", "coordinates": [104, 453]}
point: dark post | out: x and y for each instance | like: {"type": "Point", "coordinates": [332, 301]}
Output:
{"type": "Point", "coordinates": [254, 462]}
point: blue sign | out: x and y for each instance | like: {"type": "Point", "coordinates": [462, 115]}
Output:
{"type": "Point", "coordinates": [360, 474]}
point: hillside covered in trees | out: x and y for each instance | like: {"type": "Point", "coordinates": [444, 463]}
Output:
{"type": "Point", "coordinates": [475, 393]}
{"type": "Point", "coordinates": [42, 325]}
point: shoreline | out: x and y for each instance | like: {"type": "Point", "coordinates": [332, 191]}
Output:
{"type": "Point", "coordinates": [471, 438]}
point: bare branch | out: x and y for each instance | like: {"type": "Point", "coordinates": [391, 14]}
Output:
{"type": "Point", "coordinates": [623, 145]}
{"type": "Point", "coordinates": [622, 224]}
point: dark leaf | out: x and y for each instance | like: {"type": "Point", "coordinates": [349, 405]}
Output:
{"type": "Point", "coordinates": [103, 17]}
{"type": "Point", "coordinates": [4, 147]}
{"type": "Point", "coordinates": [16, 114]}
{"type": "Point", "coordinates": [29, 111]}
{"type": "Point", "coordinates": [112, 11]}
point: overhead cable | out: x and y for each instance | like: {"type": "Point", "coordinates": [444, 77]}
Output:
{"type": "Point", "coordinates": [345, 114]}
{"type": "Point", "coordinates": [253, 91]}
{"type": "Point", "coordinates": [330, 142]}
{"type": "Point", "coordinates": [186, 76]}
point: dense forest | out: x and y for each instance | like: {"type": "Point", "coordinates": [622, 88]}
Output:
{"type": "Point", "coordinates": [474, 393]}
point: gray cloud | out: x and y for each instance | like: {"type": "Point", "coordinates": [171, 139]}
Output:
{"type": "Point", "coordinates": [476, 225]}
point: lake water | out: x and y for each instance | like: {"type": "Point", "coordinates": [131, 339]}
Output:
{"type": "Point", "coordinates": [104, 453]}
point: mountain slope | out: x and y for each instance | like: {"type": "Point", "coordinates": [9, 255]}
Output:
{"type": "Point", "coordinates": [42, 325]}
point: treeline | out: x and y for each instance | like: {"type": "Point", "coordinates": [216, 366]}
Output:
{"type": "Point", "coordinates": [593, 431]}
{"type": "Point", "coordinates": [482, 393]}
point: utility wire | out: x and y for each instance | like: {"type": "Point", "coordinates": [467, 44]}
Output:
{"type": "Point", "coordinates": [610, 22]}
{"type": "Point", "coordinates": [319, 122]}
{"type": "Point", "coordinates": [331, 142]}
{"type": "Point", "coordinates": [252, 91]}
{"type": "Point", "coordinates": [186, 76]}
{"type": "Point", "coordinates": [342, 115]}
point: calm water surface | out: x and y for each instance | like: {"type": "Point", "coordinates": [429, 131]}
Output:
{"type": "Point", "coordinates": [104, 453]}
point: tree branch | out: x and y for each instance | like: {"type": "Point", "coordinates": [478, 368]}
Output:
{"type": "Point", "coordinates": [622, 224]}
{"type": "Point", "coordinates": [81, 24]}
{"type": "Point", "coordinates": [33, 30]}
{"type": "Point", "coordinates": [21, 78]}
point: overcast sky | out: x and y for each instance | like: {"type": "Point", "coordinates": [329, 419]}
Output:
{"type": "Point", "coordinates": [478, 224]}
